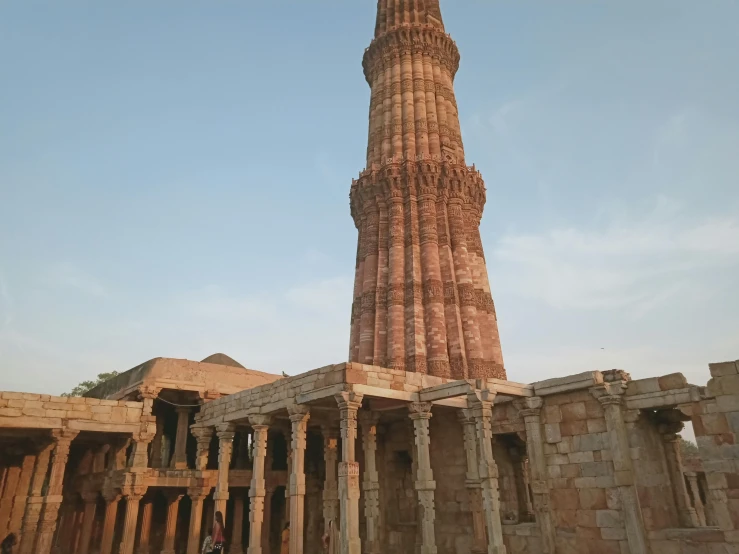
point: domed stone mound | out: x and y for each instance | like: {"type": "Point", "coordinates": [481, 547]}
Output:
{"type": "Point", "coordinates": [222, 359]}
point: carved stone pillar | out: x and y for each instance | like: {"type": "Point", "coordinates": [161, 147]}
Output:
{"type": "Point", "coordinates": [700, 511]}
{"type": "Point", "coordinates": [226, 433]}
{"type": "Point", "coordinates": [179, 460]}
{"type": "Point", "coordinates": [170, 534]}
{"type": "Point", "coordinates": [610, 395]}
{"type": "Point", "coordinates": [145, 532]}
{"type": "Point", "coordinates": [129, 524]}
{"type": "Point", "coordinates": [260, 425]}
{"type": "Point", "coordinates": [472, 482]}
{"type": "Point", "coordinates": [237, 525]}
{"type": "Point", "coordinates": [687, 514]}
{"type": "Point", "coordinates": [371, 484]}
{"type": "Point", "coordinates": [330, 485]}
{"type": "Point", "coordinates": [21, 494]}
{"type": "Point", "coordinates": [12, 477]}
{"type": "Point", "coordinates": [539, 484]}
{"type": "Point", "coordinates": [203, 436]}
{"type": "Point", "coordinates": [156, 444]}
{"type": "Point", "coordinates": [47, 524]}
{"type": "Point", "coordinates": [88, 520]}
{"type": "Point", "coordinates": [148, 429]}
{"type": "Point", "coordinates": [111, 514]}
{"type": "Point", "coordinates": [34, 503]}
{"type": "Point", "coordinates": [425, 484]}
{"type": "Point", "coordinates": [299, 416]}
{"type": "Point", "coordinates": [197, 496]}
{"type": "Point", "coordinates": [481, 407]}
{"type": "Point", "coordinates": [349, 403]}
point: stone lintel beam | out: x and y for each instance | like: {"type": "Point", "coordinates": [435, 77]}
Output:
{"type": "Point", "coordinates": [508, 388]}
{"type": "Point", "coordinates": [447, 390]}
{"type": "Point", "coordinates": [558, 385]}
{"type": "Point", "coordinates": [662, 399]}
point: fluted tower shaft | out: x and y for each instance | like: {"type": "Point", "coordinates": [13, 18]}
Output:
{"type": "Point", "coordinates": [422, 299]}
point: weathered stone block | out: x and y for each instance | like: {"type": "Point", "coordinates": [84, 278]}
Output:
{"type": "Point", "coordinates": [723, 368]}
{"type": "Point", "coordinates": [552, 433]}
{"type": "Point", "coordinates": [609, 518]}
{"type": "Point", "coordinates": [574, 411]}
{"type": "Point", "coordinates": [10, 412]}
{"type": "Point", "coordinates": [570, 428]}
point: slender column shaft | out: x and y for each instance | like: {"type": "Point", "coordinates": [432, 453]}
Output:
{"type": "Point", "coordinates": [472, 482]}
{"type": "Point", "coordinates": [156, 445]}
{"type": "Point", "coordinates": [482, 410]}
{"type": "Point", "coordinates": [687, 514]}
{"type": "Point", "coordinates": [53, 500]}
{"type": "Point", "coordinates": [257, 491]}
{"type": "Point", "coordinates": [88, 521]}
{"type": "Point", "coordinates": [695, 493]}
{"type": "Point", "coordinates": [610, 395]}
{"type": "Point", "coordinates": [371, 484]}
{"type": "Point", "coordinates": [225, 451]}
{"type": "Point", "coordinates": [179, 460]}
{"type": "Point", "coordinates": [21, 494]}
{"type": "Point", "coordinates": [35, 501]}
{"type": "Point", "coordinates": [425, 484]}
{"type": "Point", "coordinates": [170, 530]}
{"type": "Point", "coordinates": [539, 484]}
{"type": "Point", "coordinates": [129, 524]}
{"type": "Point", "coordinates": [203, 436]}
{"type": "Point", "coordinates": [12, 478]}
{"type": "Point", "coordinates": [111, 514]}
{"type": "Point", "coordinates": [267, 525]}
{"type": "Point", "coordinates": [196, 520]}
{"type": "Point", "coordinates": [330, 485]}
{"type": "Point", "coordinates": [299, 418]}
{"type": "Point", "coordinates": [349, 543]}
{"type": "Point", "coordinates": [145, 533]}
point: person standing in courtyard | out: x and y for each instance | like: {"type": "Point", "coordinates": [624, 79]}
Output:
{"type": "Point", "coordinates": [219, 534]}
{"type": "Point", "coordinates": [285, 545]}
{"type": "Point", "coordinates": [6, 547]}
{"type": "Point", "coordinates": [331, 538]}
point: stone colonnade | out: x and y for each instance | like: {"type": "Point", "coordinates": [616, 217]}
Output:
{"type": "Point", "coordinates": [341, 490]}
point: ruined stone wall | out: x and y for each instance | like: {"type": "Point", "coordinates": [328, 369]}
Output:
{"type": "Point", "coordinates": [24, 410]}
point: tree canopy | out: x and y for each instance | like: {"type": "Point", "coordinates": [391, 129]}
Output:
{"type": "Point", "coordinates": [85, 386]}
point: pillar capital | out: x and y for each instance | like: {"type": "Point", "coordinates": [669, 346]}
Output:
{"type": "Point", "coordinates": [149, 392]}
{"type": "Point", "coordinates": [198, 494]}
{"type": "Point", "coordinates": [368, 419]}
{"type": "Point", "coordinates": [349, 400]}
{"type": "Point", "coordinates": [609, 394]}
{"type": "Point", "coordinates": [260, 420]}
{"type": "Point", "coordinates": [298, 412]}
{"type": "Point", "coordinates": [89, 497]}
{"type": "Point", "coordinates": [226, 431]}
{"type": "Point", "coordinates": [420, 410]}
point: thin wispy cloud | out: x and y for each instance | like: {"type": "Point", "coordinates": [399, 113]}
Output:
{"type": "Point", "coordinates": [628, 263]}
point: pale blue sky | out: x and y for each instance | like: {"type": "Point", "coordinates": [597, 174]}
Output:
{"type": "Point", "coordinates": [174, 181]}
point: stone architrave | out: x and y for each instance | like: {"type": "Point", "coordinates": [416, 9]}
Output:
{"type": "Point", "coordinates": [197, 497]}
{"type": "Point", "coordinates": [349, 403]}
{"type": "Point", "coordinates": [610, 395]}
{"type": "Point", "coordinates": [112, 499]}
{"type": "Point", "coordinates": [170, 533]}
{"type": "Point", "coordinates": [35, 500]}
{"type": "Point", "coordinates": [671, 440]}
{"type": "Point", "coordinates": [179, 460]}
{"type": "Point", "coordinates": [330, 485]}
{"type": "Point", "coordinates": [371, 484]}
{"type": "Point", "coordinates": [47, 525]}
{"type": "Point", "coordinates": [481, 407]}
{"type": "Point", "coordinates": [88, 521]}
{"type": "Point", "coordinates": [133, 500]}
{"type": "Point", "coordinates": [226, 433]}
{"type": "Point", "coordinates": [472, 482]}
{"type": "Point", "coordinates": [692, 478]}
{"type": "Point", "coordinates": [145, 531]}
{"type": "Point", "coordinates": [260, 425]}
{"type": "Point", "coordinates": [237, 525]}
{"type": "Point", "coordinates": [537, 463]}
{"type": "Point", "coordinates": [420, 414]}
{"type": "Point", "coordinates": [299, 416]}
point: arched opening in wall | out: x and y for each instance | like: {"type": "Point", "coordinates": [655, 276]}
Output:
{"type": "Point", "coordinates": [212, 453]}
{"type": "Point", "coordinates": [277, 519]}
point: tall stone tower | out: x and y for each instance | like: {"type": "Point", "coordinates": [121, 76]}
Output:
{"type": "Point", "coordinates": [422, 299]}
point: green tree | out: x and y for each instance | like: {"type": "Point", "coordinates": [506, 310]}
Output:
{"type": "Point", "coordinates": [85, 386]}
{"type": "Point", "coordinates": [688, 449]}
